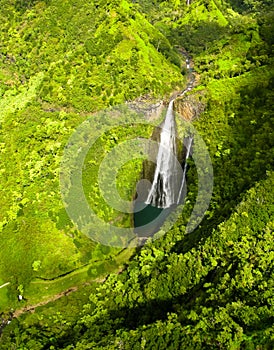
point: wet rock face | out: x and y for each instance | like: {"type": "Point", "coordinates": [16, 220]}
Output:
{"type": "Point", "coordinates": [189, 107]}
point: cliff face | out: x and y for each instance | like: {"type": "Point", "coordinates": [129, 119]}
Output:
{"type": "Point", "coordinates": [189, 107]}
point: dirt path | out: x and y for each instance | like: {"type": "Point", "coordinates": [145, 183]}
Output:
{"type": "Point", "coordinates": [4, 321]}
{"type": "Point", "coordinates": [31, 308]}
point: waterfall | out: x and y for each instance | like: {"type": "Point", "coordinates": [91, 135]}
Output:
{"type": "Point", "coordinates": [167, 177]}
{"type": "Point", "coordinates": [168, 187]}
{"type": "Point", "coordinates": [187, 143]}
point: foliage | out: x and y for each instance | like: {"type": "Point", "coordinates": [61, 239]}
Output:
{"type": "Point", "coordinates": [58, 61]}
{"type": "Point", "coordinates": [209, 289]}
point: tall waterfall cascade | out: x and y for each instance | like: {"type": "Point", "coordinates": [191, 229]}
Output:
{"type": "Point", "coordinates": [168, 180]}
{"type": "Point", "coordinates": [166, 189]}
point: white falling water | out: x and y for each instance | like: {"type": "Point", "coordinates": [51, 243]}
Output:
{"type": "Point", "coordinates": [169, 179]}
{"type": "Point", "coordinates": [188, 143]}
{"type": "Point", "coordinates": [168, 173]}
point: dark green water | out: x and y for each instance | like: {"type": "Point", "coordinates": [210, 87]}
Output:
{"type": "Point", "coordinates": [150, 219]}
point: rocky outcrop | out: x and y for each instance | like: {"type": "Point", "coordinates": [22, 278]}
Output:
{"type": "Point", "coordinates": [189, 107]}
{"type": "Point", "coordinates": [150, 109]}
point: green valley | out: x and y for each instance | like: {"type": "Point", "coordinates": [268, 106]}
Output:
{"type": "Point", "coordinates": [62, 63]}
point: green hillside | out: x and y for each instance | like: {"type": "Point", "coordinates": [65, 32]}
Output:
{"type": "Point", "coordinates": [92, 54]}
{"type": "Point", "coordinates": [62, 61]}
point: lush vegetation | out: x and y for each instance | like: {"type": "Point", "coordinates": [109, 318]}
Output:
{"type": "Point", "coordinates": [59, 62]}
{"type": "Point", "coordinates": [209, 289]}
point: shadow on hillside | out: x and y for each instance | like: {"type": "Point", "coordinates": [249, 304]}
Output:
{"type": "Point", "coordinates": [153, 310]}
{"type": "Point", "coordinates": [239, 5]}
{"type": "Point", "coordinates": [198, 36]}
{"type": "Point", "coordinates": [251, 155]}
{"type": "Point", "coordinates": [147, 313]}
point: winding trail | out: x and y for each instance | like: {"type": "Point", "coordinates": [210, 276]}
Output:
{"type": "Point", "coordinates": [31, 308]}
